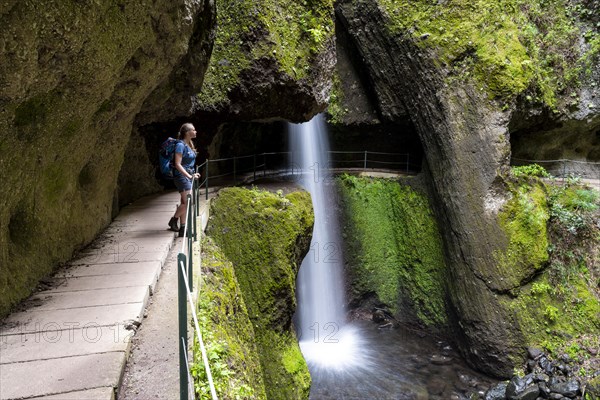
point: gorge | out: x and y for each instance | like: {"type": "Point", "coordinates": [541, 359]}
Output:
{"type": "Point", "coordinates": [503, 260]}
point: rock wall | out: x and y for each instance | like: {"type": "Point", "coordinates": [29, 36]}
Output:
{"type": "Point", "coordinates": [466, 144]}
{"type": "Point", "coordinates": [78, 74]}
{"type": "Point", "coordinates": [265, 54]}
{"type": "Point", "coordinates": [395, 260]}
{"type": "Point", "coordinates": [266, 236]}
{"type": "Point", "coordinates": [435, 62]}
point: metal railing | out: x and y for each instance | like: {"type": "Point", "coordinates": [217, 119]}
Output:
{"type": "Point", "coordinates": [232, 170]}
{"type": "Point", "coordinates": [240, 168]}
{"type": "Point", "coordinates": [184, 293]}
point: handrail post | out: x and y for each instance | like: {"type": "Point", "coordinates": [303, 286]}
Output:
{"type": "Point", "coordinates": [194, 217]}
{"type": "Point", "coordinates": [183, 333]}
{"type": "Point", "coordinates": [254, 165]}
{"type": "Point", "coordinates": [190, 237]}
{"type": "Point", "coordinates": [407, 163]}
{"type": "Point", "coordinates": [264, 165]}
{"type": "Point", "coordinates": [365, 163]}
{"type": "Point", "coordinates": [195, 191]}
{"type": "Point", "coordinates": [206, 191]}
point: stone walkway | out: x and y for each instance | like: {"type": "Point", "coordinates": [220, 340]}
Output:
{"type": "Point", "coordinates": [71, 340]}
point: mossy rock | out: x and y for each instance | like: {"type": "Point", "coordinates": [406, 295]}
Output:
{"type": "Point", "coordinates": [264, 50]}
{"type": "Point", "coordinates": [523, 219]}
{"type": "Point", "coordinates": [396, 251]}
{"type": "Point", "coordinates": [559, 309]}
{"type": "Point", "coordinates": [265, 236]}
{"type": "Point", "coordinates": [507, 47]}
{"type": "Point", "coordinates": [227, 331]}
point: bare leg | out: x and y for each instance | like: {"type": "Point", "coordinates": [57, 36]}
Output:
{"type": "Point", "coordinates": [180, 212]}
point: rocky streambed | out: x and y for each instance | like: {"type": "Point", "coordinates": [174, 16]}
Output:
{"type": "Point", "coordinates": [548, 379]}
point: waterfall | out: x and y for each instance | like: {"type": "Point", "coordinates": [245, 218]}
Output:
{"type": "Point", "coordinates": [325, 339]}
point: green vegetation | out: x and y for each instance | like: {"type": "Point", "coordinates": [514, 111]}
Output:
{"type": "Point", "coordinates": [264, 234]}
{"type": "Point", "coordinates": [560, 309]}
{"type": "Point", "coordinates": [509, 47]}
{"type": "Point", "coordinates": [336, 100]}
{"type": "Point", "coordinates": [530, 170]}
{"type": "Point", "coordinates": [523, 219]}
{"type": "Point", "coordinates": [396, 250]}
{"type": "Point", "coordinates": [291, 32]}
{"type": "Point", "coordinates": [227, 332]}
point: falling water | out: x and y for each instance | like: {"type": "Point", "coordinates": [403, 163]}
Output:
{"type": "Point", "coordinates": [325, 339]}
{"type": "Point", "coordinates": [358, 360]}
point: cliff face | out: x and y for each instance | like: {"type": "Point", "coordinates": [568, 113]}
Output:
{"type": "Point", "coordinates": [265, 54]}
{"type": "Point", "coordinates": [430, 61]}
{"type": "Point", "coordinates": [73, 77]}
{"type": "Point", "coordinates": [85, 84]}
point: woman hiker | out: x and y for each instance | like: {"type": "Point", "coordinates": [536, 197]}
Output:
{"type": "Point", "coordinates": [184, 160]}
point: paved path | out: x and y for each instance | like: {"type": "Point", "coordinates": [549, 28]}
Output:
{"type": "Point", "coordinates": [72, 339]}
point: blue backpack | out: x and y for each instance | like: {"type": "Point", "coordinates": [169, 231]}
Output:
{"type": "Point", "coordinates": [165, 157]}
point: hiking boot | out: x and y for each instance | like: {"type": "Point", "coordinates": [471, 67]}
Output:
{"type": "Point", "coordinates": [173, 225]}
{"type": "Point", "coordinates": [181, 230]}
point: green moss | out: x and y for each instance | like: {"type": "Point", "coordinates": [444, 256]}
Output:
{"type": "Point", "coordinates": [554, 317]}
{"type": "Point", "coordinates": [262, 233]}
{"type": "Point", "coordinates": [560, 308]}
{"type": "Point", "coordinates": [335, 108]}
{"type": "Point", "coordinates": [291, 32]}
{"type": "Point", "coordinates": [396, 250]}
{"type": "Point", "coordinates": [32, 111]}
{"type": "Point", "coordinates": [523, 219]}
{"type": "Point", "coordinates": [508, 47]}
{"type": "Point", "coordinates": [227, 332]}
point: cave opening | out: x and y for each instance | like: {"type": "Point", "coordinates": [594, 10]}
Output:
{"type": "Point", "coordinates": [564, 148]}
{"type": "Point", "coordinates": [246, 146]}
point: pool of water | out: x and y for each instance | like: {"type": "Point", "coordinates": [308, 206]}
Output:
{"type": "Point", "coordinates": [393, 364]}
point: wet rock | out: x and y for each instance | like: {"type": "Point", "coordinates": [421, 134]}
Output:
{"type": "Point", "coordinates": [564, 369]}
{"type": "Point", "coordinates": [379, 316]}
{"type": "Point", "coordinates": [534, 353]}
{"type": "Point", "coordinates": [568, 389]}
{"type": "Point", "coordinates": [387, 325]}
{"type": "Point", "coordinates": [436, 385]}
{"type": "Point", "coordinates": [438, 359]}
{"type": "Point", "coordinates": [530, 393]}
{"type": "Point", "coordinates": [566, 358]}
{"type": "Point", "coordinates": [549, 369]}
{"type": "Point", "coordinates": [522, 389]}
{"type": "Point", "coordinates": [544, 390]}
{"type": "Point", "coordinates": [467, 380]}
{"type": "Point", "coordinates": [497, 392]}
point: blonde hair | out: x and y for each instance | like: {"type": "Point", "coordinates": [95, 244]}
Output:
{"type": "Point", "coordinates": [185, 128]}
